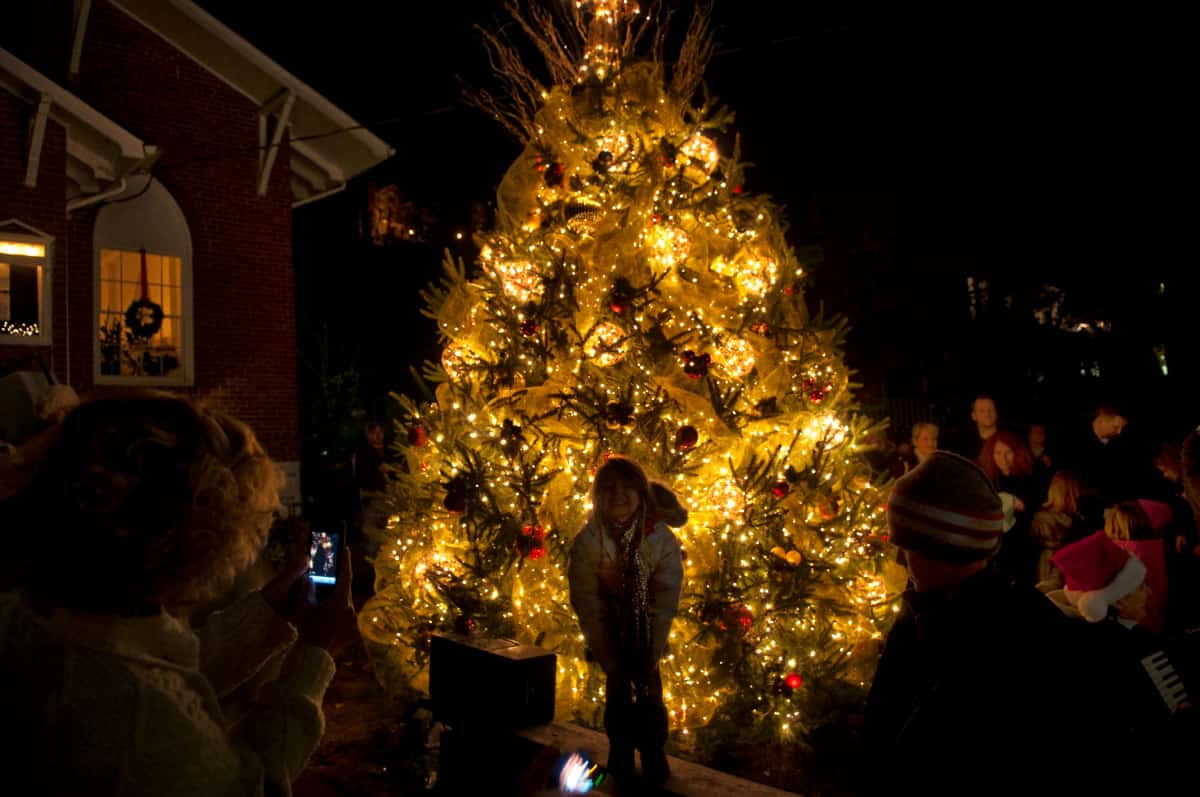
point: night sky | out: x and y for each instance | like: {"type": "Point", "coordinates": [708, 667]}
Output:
{"type": "Point", "coordinates": [1021, 147]}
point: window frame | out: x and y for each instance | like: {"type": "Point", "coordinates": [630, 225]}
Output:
{"type": "Point", "coordinates": [171, 238]}
{"type": "Point", "coordinates": [30, 235]}
{"type": "Point", "coordinates": [181, 375]}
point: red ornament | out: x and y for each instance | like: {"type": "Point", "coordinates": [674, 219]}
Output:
{"type": "Point", "coordinates": [696, 365]}
{"type": "Point", "coordinates": [781, 488]}
{"type": "Point", "coordinates": [554, 174]}
{"type": "Point", "coordinates": [534, 531]}
{"type": "Point", "coordinates": [789, 289]}
{"type": "Point", "coordinates": [538, 552]}
{"type": "Point", "coordinates": [686, 438]}
{"type": "Point", "coordinates": [737, 618]}
{"type": "Point", "coordinates": [793, 681]}
{"type": "Point", "coordinates": [737, 189]}
{"type": "Point", "coordinates": [417, 436]}
{"type": "Point", "coordinates": [529, 327]}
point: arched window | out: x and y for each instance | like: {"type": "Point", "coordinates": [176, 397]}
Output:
{"type": "Point", "coordinates": [143, 289]}
{"type": "Point", "coordinates": [26, 255]}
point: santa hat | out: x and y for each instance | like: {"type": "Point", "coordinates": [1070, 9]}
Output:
{"type": "Point", "coordinates": [1098, 573]}
{"type": "Point", "coordinates": [1158, 513]}
{"type": "Point", "coordinates": [947, 509]}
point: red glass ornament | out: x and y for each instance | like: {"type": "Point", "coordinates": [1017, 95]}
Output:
{"type": "Point", "coordinates": [538, 552]}
{"type": "Point", "coordinates": [696, 365]}
{"type": "Point", "coordinates": [781, 489]}
{"type": "Point", "coordinates": [417, 436]}
{"type": "Point", "coordinates": [686, 438]}
{"type": "Point", "coordinates": [793, 680]}
{"type": "Point", "coordinates": [554, 174]}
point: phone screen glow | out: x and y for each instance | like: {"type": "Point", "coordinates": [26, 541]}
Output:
{"type": "Point", "coordinates": [323, 557]}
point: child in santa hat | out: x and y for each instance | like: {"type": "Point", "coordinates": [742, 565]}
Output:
{"type": "Point", "coordinates": [1146, 687]}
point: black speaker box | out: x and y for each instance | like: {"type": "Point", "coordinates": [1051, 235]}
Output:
{"type": "Point", "coordinates": [481, 682]}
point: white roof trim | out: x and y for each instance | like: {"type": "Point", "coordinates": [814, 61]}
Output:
{"type": "Point", "coordinates": [130, 145]}
{"type": "Point", "coordinates": [240, 65]}
{"type": "Point", "coordinates": [94, 141]}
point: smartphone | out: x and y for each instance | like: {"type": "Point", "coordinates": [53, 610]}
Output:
{"type": "Point", "coordinates": [325, 551]}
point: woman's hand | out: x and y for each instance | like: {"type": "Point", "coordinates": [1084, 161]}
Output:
{"type": "Point", "coordinates": [328, 623]}
{"type": "Point", "coordinates": [281, 592]}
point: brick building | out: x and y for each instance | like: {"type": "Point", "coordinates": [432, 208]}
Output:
{"type": "Point", "coordinates": [150, 160]}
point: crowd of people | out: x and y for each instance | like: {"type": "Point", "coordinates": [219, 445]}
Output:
{"type": "Point", "coordinates": [1058, 491]}
{"type": "Point", "coordinates": [1051, 614]}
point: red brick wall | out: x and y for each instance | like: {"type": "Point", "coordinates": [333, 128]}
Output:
{"type": "Point", "coordinates": [244, 296]}
{"type": "Point", "coordinates": [41, 206]}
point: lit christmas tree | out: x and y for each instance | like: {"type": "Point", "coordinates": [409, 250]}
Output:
{"type": "Point", "coordinates": [634, 299]}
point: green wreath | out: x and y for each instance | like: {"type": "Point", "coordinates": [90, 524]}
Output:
{"type": "Point", "coordinates": [143, 318]}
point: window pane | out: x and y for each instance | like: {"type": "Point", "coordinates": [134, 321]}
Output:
{"type": "Point", "coordinates": [22, 248]}
{"type": "Point", "coordinates": [154, 269]}
{"type": "Point", "coordinates": [20, 297]}
{"type": "Point", "coordinates": [171, 270]}
{"type": "Point", "coordinates": [120, 286]}
{"type": "Point", "coordinates": [110, 264]}
{"type": "Point", "coordinates": [110, 296]}
{"type": "Point", "coordinates": [131, 266]}
{"type": "Point", "coordinates": [172, 301]}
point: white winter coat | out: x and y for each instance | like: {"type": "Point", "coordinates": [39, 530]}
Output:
{"type": "Point", "coordinates": [595, 578]}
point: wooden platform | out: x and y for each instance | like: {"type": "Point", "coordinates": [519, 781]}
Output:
{"type": "Point", "coordinates": [687, 779]}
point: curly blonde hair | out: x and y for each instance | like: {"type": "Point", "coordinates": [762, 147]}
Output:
{"type": "Point", "coordinates": [146, 500]}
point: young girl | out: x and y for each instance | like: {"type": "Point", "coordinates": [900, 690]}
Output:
{"type": "Point", "coordinates": [1131, 526]}
{"type": "Point", "coordinates": [626, 571]}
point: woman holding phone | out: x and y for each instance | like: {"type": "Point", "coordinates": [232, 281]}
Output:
{"type": "Point", "coordinates": [145, 509]}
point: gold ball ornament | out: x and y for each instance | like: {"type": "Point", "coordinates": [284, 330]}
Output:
{"type": "Point", "coordinates": [606, 344]}
{"type": "Point", "coordinates": [519, 280]}
{"type": "Point", "coordinates": [736, 357]}
{"type": "Point", "coordinates": [726, 498]}
{"type": "Point", "coordinates": [455, 359]}
{"type": "Point", "coordinates": [668, 246]}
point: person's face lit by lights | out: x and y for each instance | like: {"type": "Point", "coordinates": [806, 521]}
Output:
{"type": "Point", "coordinates": [620, 503]}
{"type": "Point", "coordinates": [1003, 456]}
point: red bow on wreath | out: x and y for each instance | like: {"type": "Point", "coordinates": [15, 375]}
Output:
{"type": "Point", "coordinates": [144, 318]}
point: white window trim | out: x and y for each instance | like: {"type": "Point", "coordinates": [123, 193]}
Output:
{"type": "Point", "coordinates": [46, 320]}
{"type": "Point", "coordinates": [188, 356]}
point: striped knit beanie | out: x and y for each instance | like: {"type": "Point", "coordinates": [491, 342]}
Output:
{"type": "Point", "coordinates": [947, 509]}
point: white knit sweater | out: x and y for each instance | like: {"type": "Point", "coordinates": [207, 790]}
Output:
{"type": "Point", "coordinates": [101, 705]}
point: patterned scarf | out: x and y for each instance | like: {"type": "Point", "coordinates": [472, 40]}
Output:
{"type": "Point", "coordinates": [634, 634]}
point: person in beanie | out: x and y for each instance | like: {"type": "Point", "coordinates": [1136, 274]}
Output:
{"type": "Point", "coordinates": [958, 698]}
{"type": "Point", "coordinates": [625, 576]}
